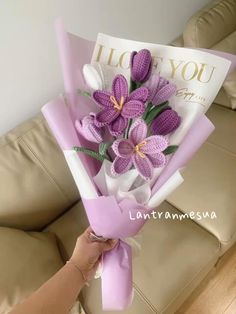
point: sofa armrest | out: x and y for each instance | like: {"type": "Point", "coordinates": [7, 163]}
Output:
{"type": "Point", "coordinates": [211, 24]}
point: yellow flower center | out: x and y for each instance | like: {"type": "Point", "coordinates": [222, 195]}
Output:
{"type": "Point", "coordinates": [117, 105]}
{"type": "Point", "coordinates": [137, 149]}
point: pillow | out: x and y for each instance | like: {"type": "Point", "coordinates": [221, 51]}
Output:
{"type": "Point", "coordinates": [230, 88]}
{"type": "Point", "coordinates": [28, 259]}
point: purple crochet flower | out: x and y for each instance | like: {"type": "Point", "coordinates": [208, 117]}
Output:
{"type": "Point", "coordinates": [88, 129]}
{"type": "Point", "coordinates": [160, 89]}
{"type": "Point", "coordinates": [118, 106]}
{"type": "Point", "coordinates": [166, 122]}
{"type": "Point", "coordinates": [141, 65]}
{"type": "Point", "coordinates": [145, 153]}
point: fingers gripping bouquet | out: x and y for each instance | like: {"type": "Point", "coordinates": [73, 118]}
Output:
{"type": "Point", "coordinates": [125, 142]}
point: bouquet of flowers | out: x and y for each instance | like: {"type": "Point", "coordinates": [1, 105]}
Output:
{"type": "Point", "coordinates": [126, 131]}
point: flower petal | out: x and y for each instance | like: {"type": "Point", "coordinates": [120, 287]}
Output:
{"type": "Point", "coordinates": [149, 72]}
{"type": "Point", "coordinates": [120, 87]}
{"type": "Point", "coordinates": [121, 165]}
{"type": "Point", "coordinates": [133, 53]}
{"type": "Point", "coordinates": [157, 160]}
{"type": "Point", "coordinates": [92, 77]}
{"type": "Point", "coordinates": [162, 82]}
{"type": "Point", "coordinates": [141, 65]}
{"type": "Point", "coordinates": [88, 130]}
{"type": "Point", "coordinates": [118, 126]}
{"type": "Point", "coordinates": [164, 94]}
{"type": "Point", "coordinates": [105, 117]}
{"type": "Point", "coordinates": [133, 109]}
{"type": "Point", "coordinates": [102, 98]}
{"type": "Point", "coordinates": [123, 148]}
{"type": "Point", "coordinates": [166, 122]}
{"type": "Point", "coordinates": [152, 85]}
{"type": "Point", "coordinates": [143, 165]}
{"type": "Point", "coordinates": [140, 94]}
{"type": "Point", "coordinates": [154, 144]}
{"type": "Point", "coordinates": [138, 131]}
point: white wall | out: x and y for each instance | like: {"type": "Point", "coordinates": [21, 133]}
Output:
{"type": "Point", "coordinates": [29, 66]}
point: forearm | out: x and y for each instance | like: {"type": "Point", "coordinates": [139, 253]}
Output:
{"type": "Point", "coordinates": [56, 296]}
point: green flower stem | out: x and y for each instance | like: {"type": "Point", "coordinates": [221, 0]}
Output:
{"type": "Point", "coordinates": [90, 153]}
{"type": "Point", "coordinates": [103, 149]}
{"type": "Point", "coordinates": [128, 128]}
{"type": "Point", "coordinates": [149, 106]}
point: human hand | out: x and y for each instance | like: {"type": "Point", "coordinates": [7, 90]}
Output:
{"type": "Point", "coordinates": [87, 253]}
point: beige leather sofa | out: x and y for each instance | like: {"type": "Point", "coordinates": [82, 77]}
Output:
{"type": "Point", "coordinates": [41, 214]}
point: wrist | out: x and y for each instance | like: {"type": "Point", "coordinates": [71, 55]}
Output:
{"type": "Point", "coordinates": [82, 274]}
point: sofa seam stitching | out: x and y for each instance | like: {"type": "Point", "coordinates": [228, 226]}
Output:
{"type": "Point", "coordinates": [206, 229]}
{"type": "Point", "coordinates": [153, 308]}
{"type": "Point", "coordinates": [198, 224]}
{"type": "Point", "coordinates": [18, 138]}
{"type": "Point", "coordinates": [225, 150]}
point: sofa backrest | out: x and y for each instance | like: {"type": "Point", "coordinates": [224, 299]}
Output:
{"type": "Point", "coordinates": [35, 183]}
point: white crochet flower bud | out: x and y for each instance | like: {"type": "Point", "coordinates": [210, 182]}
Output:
{"type": "Point", "coordinates": [93, 77]}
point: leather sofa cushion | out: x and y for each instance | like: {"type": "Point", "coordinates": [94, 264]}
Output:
{"type": "Point", "coordinates": [228, 44]}
{"type": "Point", "coordinates": [36, 184]}
{"type": "Point", "coordinates": [230, 87]}
{"type": "Point", "coordinates": [224, 134]}
{"type": "Point", "coordinates": [67, 228]}
{"type": "Point", "coordinates": [223, 99]}
{"type": "Point", "coordinates": [209, 185]}
{"type": "Point", "coordinates": [211, 24]}
{"type": "Point", "coordinates": [210, 178]}
{"type": "Point", "coordinates": [27, 261]}
{"type": "Point", "coordinates": [175, 257]}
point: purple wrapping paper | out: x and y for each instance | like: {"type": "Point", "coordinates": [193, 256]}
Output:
{"type": "Point", "coordinates": [117, 271]}
{"type": "Point", "coordinates": [105, 215]}
{"type": "Point", "coordinates": [111, 220]}
{"type": "Point", "coordinates": [59, 121]}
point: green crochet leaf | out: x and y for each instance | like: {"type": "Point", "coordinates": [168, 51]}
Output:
{"type": "Point", "coordinates": [90, 153]}
{"type": "Point", "coordinates": [170, 149]}
{"type": "Point", "coordinates": [84, 93]}
{"type": "Point", "coordinates": [155, 111]}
